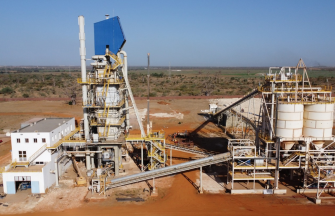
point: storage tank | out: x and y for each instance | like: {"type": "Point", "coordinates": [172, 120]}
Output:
{"type": "Point", "coordinates": [290, 121]}
{"type": "Point", "coordinates": [318, 120]}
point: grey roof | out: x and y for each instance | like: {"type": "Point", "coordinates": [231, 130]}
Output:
{"type": "Point", "coordinates": [44, 125]}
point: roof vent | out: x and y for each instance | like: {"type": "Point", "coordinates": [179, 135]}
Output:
{"type": "Point", "coordinates": [31, 125]}
{"type": "Point", "coordinates": [58, 123]}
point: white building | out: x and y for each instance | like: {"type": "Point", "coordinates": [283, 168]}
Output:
{"type": "Point", "coordinates": [34, 156]}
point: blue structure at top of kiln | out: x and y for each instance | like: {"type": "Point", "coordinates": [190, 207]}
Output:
{"type": "Point", "coordinates": [108, 32]}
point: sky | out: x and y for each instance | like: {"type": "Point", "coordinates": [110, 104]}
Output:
{"type": "Point", "coordinates": [199, 33]}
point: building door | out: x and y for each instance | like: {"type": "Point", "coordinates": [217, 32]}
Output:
{"type": "Point", "coordinates": [22, 183]}
{"type": "Point", "coordinates": [35, 187]}
{"type": "Point", "coordinates": [22, 156]}
{"type": "Point", "coordinates": [11, 187]}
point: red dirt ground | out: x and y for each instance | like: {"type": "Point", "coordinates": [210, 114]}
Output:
{"type": "Point", "coordinates": [182, 198]}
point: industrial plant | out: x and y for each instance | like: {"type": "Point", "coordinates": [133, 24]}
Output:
{"type": "Point", "coordinates": [290, 132]}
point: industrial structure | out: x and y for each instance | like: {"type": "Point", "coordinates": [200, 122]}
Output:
{"type": "Point", "coordinates": [100, 137]}
{"type": "Point", "coordinates": [292, 130]}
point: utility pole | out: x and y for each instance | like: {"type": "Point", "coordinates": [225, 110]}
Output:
{"type": "Point", "coordinates": [148, 100]}
{"type": "Point", "coordinates": [169, 70]}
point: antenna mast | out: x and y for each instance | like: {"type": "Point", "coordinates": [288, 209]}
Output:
{"type": "Point", "coordinates": [148, 120]}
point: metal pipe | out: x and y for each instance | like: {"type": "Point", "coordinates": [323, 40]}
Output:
{"type": "Point", "coordinates": [142, 157]}
{"type": "Point", "coordinates": [277, 163]}
{"type": "Point", "coordinates": [127, 111]}
{"type": "Point", "coordinates": [116, 160]}
{"type": "Point", "coordinates": [272, 110]}
{"type": "Point", "coordinates": [99, 156]}
{"type": "Point", "coordinates": [201, 180]}
{"type": "Point", "coordinates": [306, 164]}
{"type": "Point", "coordinates": [148, 99]}
{"type": "Point", "coordinates": [82, 52]}
{"type": "Point", "coordinates": [125, 74]}
{"type": "Point", "coordinates": [56, 172]}
{"type": "Point", "coordinates": [88, 162]}
{"type": "Point", "coordinates": [92, 161]}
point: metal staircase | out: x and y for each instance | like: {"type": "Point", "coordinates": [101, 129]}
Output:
{"type": "Point", "coordinates": [156, 153]}
{"type": "Point", "coordinates": [189, 150]}
{"type": "Point", "coordinates": [169, 170]}
{"type": "Point", "coordinates": [290, 158]}
{"type": "Point", "coordinates": [31, 158]}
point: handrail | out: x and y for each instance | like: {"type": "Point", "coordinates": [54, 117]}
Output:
{"type": "Point", "coordinates": [37, 153]}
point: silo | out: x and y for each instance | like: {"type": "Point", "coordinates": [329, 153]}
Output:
{"type": "Point", "coordinates": [318, 120]}
{"type": "Point", "coordinates": [290, 121]}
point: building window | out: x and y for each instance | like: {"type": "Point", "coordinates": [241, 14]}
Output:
{"type": "Point", "coordinates": [35, 140]}
{"type": "Point", "coordinates": [27, 140]}
{"type": "Point", "coordinates": [22, 155]}
{"type": "Point", "coordinates": [18, 140]}
{"type": "Point", "coordinates": [43, 140]}
{"type": "Point", "coordinates": [38, 162]}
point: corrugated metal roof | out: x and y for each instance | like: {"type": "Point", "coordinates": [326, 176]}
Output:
{"type": "Point", "coordinates": [45, 125]}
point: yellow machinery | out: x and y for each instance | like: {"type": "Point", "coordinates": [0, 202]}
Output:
{"type": "Point", "coordinates": [80, 180]}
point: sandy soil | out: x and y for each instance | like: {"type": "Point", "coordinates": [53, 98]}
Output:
{"type": "Point", "coordinates": [182, 198]}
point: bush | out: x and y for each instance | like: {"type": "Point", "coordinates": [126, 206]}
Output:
{"type": "Point", "coordinates": [25, 95]}
{"type": "Point", "coordinates": [7, 90]}
{"type": "Point", "coordinates": [153, 94]}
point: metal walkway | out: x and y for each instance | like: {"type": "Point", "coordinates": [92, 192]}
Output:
{"type": "Point", "coordinates": [245, 98]}
{"type": "Point", "coordinates": [188, 150]}
{"type": "Point", "coordinates": [169, 170]}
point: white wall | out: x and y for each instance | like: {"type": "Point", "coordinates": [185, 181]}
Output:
{"type": "Point", "coordinates": [31, 147]}
{"type": "Point", "coordinates": [35, 176]}
{"type": "Point", "coordinates": [49, 178]}
{"type": "Point", "coordinates": [46, 177]}
{"type": "Point", "coordinates": [62, 130]}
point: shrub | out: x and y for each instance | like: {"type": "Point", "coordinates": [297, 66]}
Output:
{"type": "Point", "coordinates": [25, 95]}
{"type": "Point", "coordinates": [7, 90]}
{"type": "Point", "coordinates": [153, 94]}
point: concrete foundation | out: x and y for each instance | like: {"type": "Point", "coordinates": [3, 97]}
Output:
{"type": "Point", "coordinates": [327, 190]}
{"type": "Point", "coordinates": [257, 191]}
{"type": "Point", "coordinates": [317, 201]}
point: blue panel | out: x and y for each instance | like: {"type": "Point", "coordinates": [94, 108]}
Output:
{"type": "Point", "coordinates": [108, 32]}
{"type": "Point", "coordinates": [11, 187]}
{"type": "Point", "coordinates": [35, 187]}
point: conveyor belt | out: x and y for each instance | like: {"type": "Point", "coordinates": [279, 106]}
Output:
{"type": "Point", "coordinates": [245, 98]}
{"type": "Point", "coordinates": [169, 170]}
